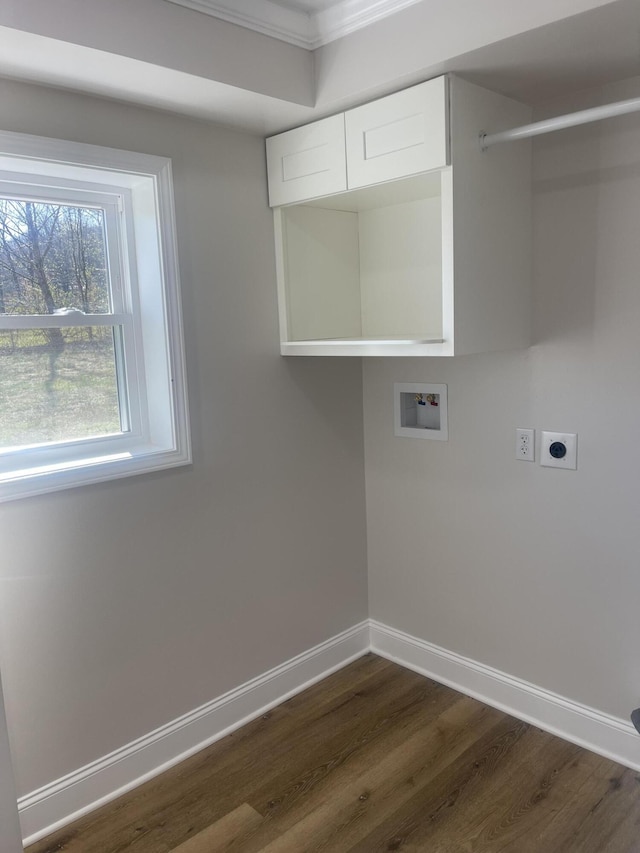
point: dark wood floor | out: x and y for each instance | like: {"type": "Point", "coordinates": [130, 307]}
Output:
{"type": "Point", "coordinates": [375, 758]}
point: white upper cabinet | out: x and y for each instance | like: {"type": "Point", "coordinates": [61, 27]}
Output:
{"type": "Point", "coordinates": [307, 162]}
{"type": "Point", "coordinates": [418, 243]}
{"type": "Point", "coordinates": [400, 135]}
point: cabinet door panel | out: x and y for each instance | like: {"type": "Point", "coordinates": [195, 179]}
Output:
{"type": "Point", "coordinates": [307, 162]}
{"type": "Point", "coordinates": [399, 135]}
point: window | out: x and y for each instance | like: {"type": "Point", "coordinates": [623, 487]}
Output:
{"type": "Point", "coordinates": [92, 381]}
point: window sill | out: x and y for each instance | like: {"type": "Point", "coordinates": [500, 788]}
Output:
{"type": "Point", "coordinates": [29, 482]}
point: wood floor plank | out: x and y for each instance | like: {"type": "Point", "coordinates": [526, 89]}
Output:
{"type": "Point", "coordinates": [324, 751]}
{"type": "Point", "coordinates": [510, 804]}
{"type": "Point", "coordinates": [331, 763]}
{"type": "Point", "coordinates": [353, 808]}
{"type": "Point", "coordinates": [344, 681]}
{"type": "Point", "coordinates": [211, 783]}
{"type": "Point", "coordinates": [569, 799]}
{"type": "Point", "coordinates": [375, 758]}
{"type": "Point", "coordinates": [435, 803]}
{"type": "Point", "coordinates": [623, 834]}
{"type": "Point", "coordinates": [217, 837]}
{"type": "Point", "coordinates": [316, 788]}
{"type": "Point", "coordinates": [605, 814]}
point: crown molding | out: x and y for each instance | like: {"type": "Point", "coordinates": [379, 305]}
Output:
{"type": "Point", "coordinates": [348, 16]}
{"type": "Point", "coordinates": [261, 16]}
{"type": "Point", "coordinates": [303, 29]}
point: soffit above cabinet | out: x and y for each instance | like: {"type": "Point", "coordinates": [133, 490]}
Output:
{"type": "Point", "coordinates": [164, 55]}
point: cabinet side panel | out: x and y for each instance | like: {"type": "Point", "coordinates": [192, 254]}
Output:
{"type": "Point", "coordinates": [492, 223]}
{"type": "Point", "coordinates": [321, 268]}
{"type": "Point", "coordinates": [401, 270]}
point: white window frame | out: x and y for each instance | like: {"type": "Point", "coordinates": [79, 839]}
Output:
{"type": "Point", "coordinates": [136, 192]}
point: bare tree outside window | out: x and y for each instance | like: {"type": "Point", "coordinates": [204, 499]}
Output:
{"type": "Point", "coordinates": [55, 383]}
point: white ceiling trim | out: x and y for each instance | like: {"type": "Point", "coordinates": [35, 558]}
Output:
{"type": "Point", "coordinates": [259, 15]}
{"type": "Point", "coordinates": [348, 16]}
{"type": "Point", "coordinates": [304, 29]}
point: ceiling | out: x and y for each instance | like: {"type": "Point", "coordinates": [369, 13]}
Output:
{"type": "Point", "coordinates": [160, 54]}
{"type": "Point", "coordinates": [585, 51]}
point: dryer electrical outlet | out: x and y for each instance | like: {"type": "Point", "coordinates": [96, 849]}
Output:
{"type": "Point", "coordinates": [559, 450]}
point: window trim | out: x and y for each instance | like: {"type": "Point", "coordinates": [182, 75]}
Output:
{"type": "Point", "coordinates": [116, 207]}
{"type": "Point", "coordinates": [149, 245]}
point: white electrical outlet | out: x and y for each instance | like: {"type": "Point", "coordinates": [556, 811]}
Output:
{"type": "Point", "coordinates": [525, 444]}
{"type": "Point", "coordinates": [559, 450]}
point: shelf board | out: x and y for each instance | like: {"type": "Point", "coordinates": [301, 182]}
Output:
{"type": "Point", "coordinates": [406, 347]}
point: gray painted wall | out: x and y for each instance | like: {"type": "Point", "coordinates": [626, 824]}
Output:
{"type": "Point", "coordinates": [531, 570]}
{"type": "Point", "coordinates": [10, 838]}
{"type": "Point", "coordinates": [126, 604]}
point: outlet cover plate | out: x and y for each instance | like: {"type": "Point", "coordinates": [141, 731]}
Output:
{"type": "Point", "coordinates": [570, 441]}
{"type": "Point", "coordinates": [525, 444]}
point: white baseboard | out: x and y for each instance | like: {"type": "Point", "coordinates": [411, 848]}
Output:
{"type": "Point", "coordinates": [65, 800]}
{"type": "Point", "coordinates": [606, 735]}
{"type": "Point", "coordinates": [84, 790]}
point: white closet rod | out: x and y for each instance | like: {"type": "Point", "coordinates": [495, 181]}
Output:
{"type": "Point", "coordinates": [560, 122]}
